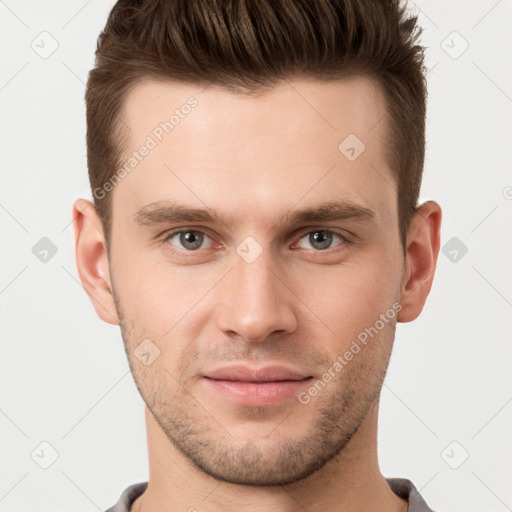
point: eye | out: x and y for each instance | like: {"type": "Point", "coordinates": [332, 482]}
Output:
{"type": "Point", "coordinates": [190, 240]}
{"type": "Point", "coordinates": [321, 239]}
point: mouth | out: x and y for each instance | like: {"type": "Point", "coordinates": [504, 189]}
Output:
{"type": "Point", "coordinates": [256, 387]}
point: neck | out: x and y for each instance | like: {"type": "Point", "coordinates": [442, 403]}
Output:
{"type": "Point", "coordinates": [350, 482]}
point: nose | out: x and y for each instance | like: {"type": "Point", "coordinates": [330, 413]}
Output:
{"type": "Point", "coordinates": [256, 300]}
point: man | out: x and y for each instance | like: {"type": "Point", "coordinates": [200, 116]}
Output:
{"type": "Point", "coordinates": [255, 232]}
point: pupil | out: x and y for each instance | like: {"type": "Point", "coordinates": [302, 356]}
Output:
{"type": "Point", "coordinates": [192, 239]}
{"type": "Point", "coordinates": [322, 238]}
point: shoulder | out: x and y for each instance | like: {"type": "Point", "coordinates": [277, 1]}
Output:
{"type": "Point", "coordinates": [129, 495]}
{"type": "Point", "coordinates": [405, 489]}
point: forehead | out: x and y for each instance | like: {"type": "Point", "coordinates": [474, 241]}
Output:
{"type": "Point", "coordinates": [299, 141]}
{"type": "Point", "coordinates": [305, 107]}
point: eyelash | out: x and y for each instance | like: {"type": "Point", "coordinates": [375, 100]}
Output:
{"type": "Point", "coordinates": [345, 240]}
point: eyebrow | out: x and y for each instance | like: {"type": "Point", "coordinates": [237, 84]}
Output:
{"type": "Point", "coordinates": [162, 212]}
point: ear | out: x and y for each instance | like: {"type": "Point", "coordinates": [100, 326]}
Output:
{"type": "Point", "coordinates": [422, 249]}
{"type": "Point", "coordinates": [92, 260]}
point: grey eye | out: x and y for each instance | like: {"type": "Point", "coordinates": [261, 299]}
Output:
{"type": "Point", "coordinates": [189, 240]}
{"type": "Point", "coordinates": [321, 239]}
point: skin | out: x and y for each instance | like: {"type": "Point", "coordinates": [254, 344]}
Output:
{"type": "Point", "coordinates": [254, 159]}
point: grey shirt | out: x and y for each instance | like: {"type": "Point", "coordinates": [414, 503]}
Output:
{"type": "Point", "coordinates": [400, 486]}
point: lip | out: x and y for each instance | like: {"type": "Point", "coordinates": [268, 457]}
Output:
{"type": "Point", "coordinates": [256, 386]}
{"type": "Point", "coordinates": [247, 374]}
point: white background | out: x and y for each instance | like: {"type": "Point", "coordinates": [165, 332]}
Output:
{"type": "Point", "coordinates": [64, 375]}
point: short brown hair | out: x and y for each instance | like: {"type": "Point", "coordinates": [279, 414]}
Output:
{"type": "Point", "coordinates": [250, 45]}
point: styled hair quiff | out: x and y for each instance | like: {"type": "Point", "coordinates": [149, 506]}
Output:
{"type": "Point", "coordinates": [250, 45]}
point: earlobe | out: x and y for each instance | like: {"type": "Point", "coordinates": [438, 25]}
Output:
{"type": "Point", "coordinates": [92, 260]}
{"type": "Point", "coordinates": [423, 242]}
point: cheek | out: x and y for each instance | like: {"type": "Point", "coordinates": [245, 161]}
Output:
{"type": "Point", "coordinates": [155, 296]}
{"type": "Point", "coordinates": [158, 297]}
{"type": "Point", "coordinates": [349, 298]}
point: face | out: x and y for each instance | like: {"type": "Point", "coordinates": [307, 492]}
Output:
{"type": "Point", "coordinates": [251, 255]}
